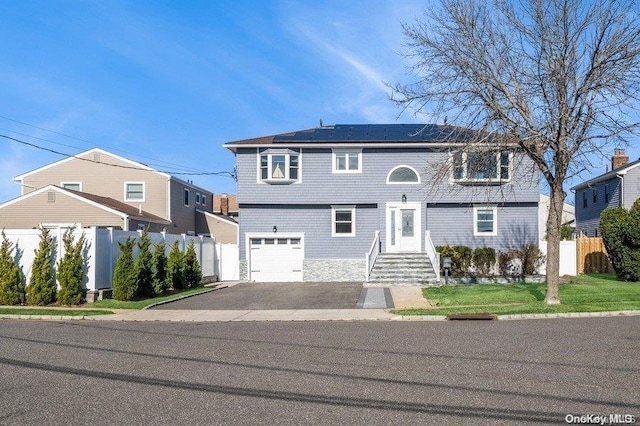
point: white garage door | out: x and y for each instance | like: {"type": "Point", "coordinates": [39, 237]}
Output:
{"type": "Point", "coordinates": [276, 259]}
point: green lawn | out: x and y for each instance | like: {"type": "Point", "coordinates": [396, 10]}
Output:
{"type": "Point", "coordinates": [101, 307]}
{"type": "Point", "coordinates": [139, 304]}
{"type": "Point", "coordinates": [584, 293]}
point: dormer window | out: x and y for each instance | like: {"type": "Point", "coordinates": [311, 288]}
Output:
{"type": "Point", "coordinates": [481, 167]}
{"type": "Point", "coordinates": [279, 166]}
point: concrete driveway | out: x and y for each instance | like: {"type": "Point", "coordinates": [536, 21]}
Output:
{"type": "Point", "coordinates": [274, 296]}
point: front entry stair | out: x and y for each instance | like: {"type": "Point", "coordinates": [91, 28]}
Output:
{"type": "Point", "coordinates": [407, 269]}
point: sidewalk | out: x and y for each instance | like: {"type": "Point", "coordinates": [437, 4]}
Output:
{"type": "Point", "coordinates": [403, 298]}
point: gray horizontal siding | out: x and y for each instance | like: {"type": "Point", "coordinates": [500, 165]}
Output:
{"type": "Point", "coordinates": [453, 225]}
{"type": "Point", "coordinates": [315, 223]}
{"type": "Point", "coordinates": [450, 224]}
{"type": "Point", "coordinates": [320, 186]}
{"type": "Point", "coordinates": [588, 218]}
{"type": "Point", "coordinates": [631, 187]}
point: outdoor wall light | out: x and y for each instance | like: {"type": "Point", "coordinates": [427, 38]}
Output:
{"type": "Point", "coordinates": [404, 199]}
{"type": "Point", "coordinates": [275, 229]}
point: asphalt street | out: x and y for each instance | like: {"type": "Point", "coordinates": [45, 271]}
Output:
{"type": "Point", "coordinates": [359, 373]}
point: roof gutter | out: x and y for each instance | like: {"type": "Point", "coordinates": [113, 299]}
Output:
{"type": "Point", "coordinates": [360, 144]}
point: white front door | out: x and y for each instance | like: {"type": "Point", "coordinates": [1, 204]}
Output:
{"type": "Point", "coordinates": [404, 231]}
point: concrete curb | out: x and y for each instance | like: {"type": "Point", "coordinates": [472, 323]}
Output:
{"type": "Point", "coordinates": [48, 317]}
{"type": "Point", "coordinates": [214, 288]}
{"type": "Point", "coordinates": [568, 315]}
{"type": "Point", "coordinates": [294, 316]}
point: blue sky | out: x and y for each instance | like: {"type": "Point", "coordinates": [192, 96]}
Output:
{"type": "Point", "coordinates": [167, 83]}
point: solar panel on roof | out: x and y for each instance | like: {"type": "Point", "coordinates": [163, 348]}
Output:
{"type": "Point", "coordinates": [374, 132]}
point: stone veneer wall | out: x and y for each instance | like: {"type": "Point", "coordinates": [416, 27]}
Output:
{"type": "Point", "coordinates": [243, 273]}
{"type": "Point", "coordinates": [334, 270]}
{"type": "Point", "coordinates": [325, 270]}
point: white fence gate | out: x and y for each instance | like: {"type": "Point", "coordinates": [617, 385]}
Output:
{"type": "Point", "coordinates": [227, 262]}
{"type": "Point", "coordinates": [103, 250]}
{"type": "Point", "coordinates": [568, 259]}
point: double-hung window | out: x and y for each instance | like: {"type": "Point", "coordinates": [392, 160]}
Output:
{"type": "Point", "coordinates": [485, 221]}
{"type": "Point", "coordinates": [134, 191]}
{"type": "Point", "coordinates": [347, 161]}
{"type": "Point", "coordinates": [481, 166]}
{"type": "Point", "coordinates": [279, 166]}
{"type": "Point", "coordinates": [343, 221]}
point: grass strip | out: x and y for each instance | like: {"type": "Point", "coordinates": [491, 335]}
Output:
{"type": "Point", "coordinates": [584, 293]}
{"type": "Point", "coordinates": [53, 312]}
{"type": "Point", "coordinates": [140, 304]}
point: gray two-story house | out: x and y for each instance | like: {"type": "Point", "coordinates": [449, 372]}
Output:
{"type": "Point", "coordinates": [319, 204]}
{"type": "Point", "coordinates": [618, 188]}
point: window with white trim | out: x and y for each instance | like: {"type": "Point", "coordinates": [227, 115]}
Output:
{"type": "Point", "coordinates": [343, 221]}
{"type": "Point", "coordinates": [481, 166]}
{"type": "Point", "coordinates": [74, 186]}
{"type": "Point", "coordinates": [347, 161]}
{"type": "Point", "coordinates": [485, 221]}
{"type": "Point", "coordinates": [134, 191]}
{"type": "Point", "coordinates": [279, 167]}
{"type": "Point", "coordinates": [403, 175]}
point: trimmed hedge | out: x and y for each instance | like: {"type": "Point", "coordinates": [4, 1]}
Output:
{"type": "Point", "coordinates": [620, 230]}
{"type": "Point", "coordinates": [483, 261]}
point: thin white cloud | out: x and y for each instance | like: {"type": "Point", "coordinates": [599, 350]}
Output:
{"type": "Point", "coordinates": [370, 74]}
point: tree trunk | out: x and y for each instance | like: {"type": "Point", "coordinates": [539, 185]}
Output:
{"type": "Point", "coordinates": [554, 224]}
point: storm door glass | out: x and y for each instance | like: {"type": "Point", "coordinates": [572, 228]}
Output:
{"type": "Point", "coordinates": [407, 223]}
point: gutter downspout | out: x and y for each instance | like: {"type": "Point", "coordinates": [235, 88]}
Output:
{"type": "Point", "coordinates": [621, 190]}
{"type": "Point", "coordinates": [168, 197]}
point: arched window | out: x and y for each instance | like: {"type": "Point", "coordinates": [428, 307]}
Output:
{"type": "Point", "coordinates": [403, 174]}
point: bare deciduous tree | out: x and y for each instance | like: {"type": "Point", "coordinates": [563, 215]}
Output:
{"type": "Point", "coordinates": [559, 78]}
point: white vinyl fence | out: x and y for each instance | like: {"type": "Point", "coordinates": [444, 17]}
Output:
{"type": "Point", "coordinates": [568, 258]}
{"type": "Point", "coordinates": [103, 250]}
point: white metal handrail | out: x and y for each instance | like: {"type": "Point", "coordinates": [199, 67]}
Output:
{"type": "Point", "coordinates": [434, 256]}
{"type": "Point", "coordinates": [372, 255]}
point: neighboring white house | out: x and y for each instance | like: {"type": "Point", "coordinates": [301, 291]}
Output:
{"type": "Point", "coordinates": [568, 215]}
